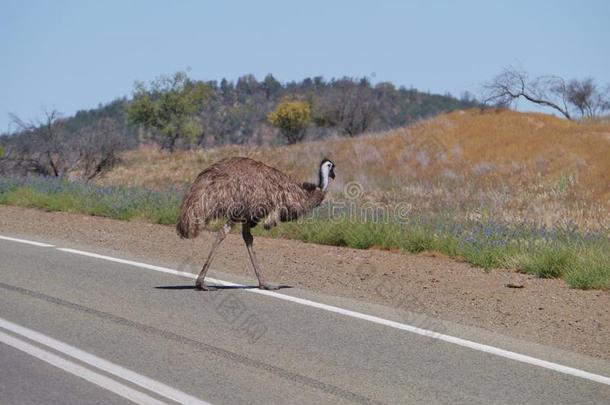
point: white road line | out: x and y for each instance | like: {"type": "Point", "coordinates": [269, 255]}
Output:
{"type": "Point", "coordinates": [29, 242]}
{"type": "Point", "coordinates": [97, 362]}
{"type": "Point", "coordinates": [80, 371]}
{"type": "Point", "coordinates": [131, 263]}
{"type": "Point", "coordinates": [381, 321]}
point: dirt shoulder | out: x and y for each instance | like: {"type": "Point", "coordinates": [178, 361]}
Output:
{"type": "Point", "coordinates": [542, 311]}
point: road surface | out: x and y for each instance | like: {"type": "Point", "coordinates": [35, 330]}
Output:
{"type": "Point", "coordinates": [81, 328]}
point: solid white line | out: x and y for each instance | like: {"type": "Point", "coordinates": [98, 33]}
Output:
{"type": "Point", "coordinates": [29, 242]}
{"type": "Point", "coordinates": [381, 321]}
{"type": "Point", "coordinates": [101, 364]}
{"type": "Point", "coordinates": [79, 371]}
{"type": "Point", "coordinates": [447, 338]}
{"type": "Point", "coordinates": [130, 262]}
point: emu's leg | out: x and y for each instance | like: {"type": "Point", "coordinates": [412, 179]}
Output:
{"type": "Point", "coordinates": [249, 239]}
{"type": "Point", "coordinates": [226, 228]}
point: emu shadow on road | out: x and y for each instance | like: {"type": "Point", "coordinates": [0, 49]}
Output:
{"type": "Point", "coordinates": [216, 287]}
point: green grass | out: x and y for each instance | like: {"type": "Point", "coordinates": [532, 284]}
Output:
{"type": "Point", "coordinates": [113, 202]}
{"type": "Point", "coordinates": [549, 262]}
{"type": "Point", "coordinates": [589, 271]}
{"type": "Point", "coordinates": [582, 260]}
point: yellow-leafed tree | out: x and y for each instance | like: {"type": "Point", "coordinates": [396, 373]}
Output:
{"type": "Point", "coordinates": [292, 118]}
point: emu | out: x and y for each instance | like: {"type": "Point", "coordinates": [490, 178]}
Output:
{"type": "Point", "coordinates": [240, 190]}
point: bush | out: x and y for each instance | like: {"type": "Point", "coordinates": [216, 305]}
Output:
{"type": "Point", "coordinates": [292, 118]}
{"type": "Point", "coordinates": [549, 262]}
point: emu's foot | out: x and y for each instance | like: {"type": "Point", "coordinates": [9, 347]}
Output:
{"type": "Point", "coordinates": [269, 224]}
{"type": "Point", "coordinates": [268, 287]}
{"type": "Point", "coordinates": [202, 287]}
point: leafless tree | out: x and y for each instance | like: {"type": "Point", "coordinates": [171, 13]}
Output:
{"type": "Point", "coordinates": [573, 99]}
{"type": "Point", "coordinates": [512, 84]}
{"type": "Point", "coordinates": [588, 99]}
{"type": "Point", "coordinates": [35, 148]}
{"type": "Point", "coordinates": [351, 106]}
{"type": "Point", "coordinates": [47, 147]}
{"type": "Point", "coordinates": [94, 150]}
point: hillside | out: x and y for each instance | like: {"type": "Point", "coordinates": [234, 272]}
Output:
{"type": "Point", "coordinates": [236, 112]}
{"type": "Point", "coordinates": [505, 164]}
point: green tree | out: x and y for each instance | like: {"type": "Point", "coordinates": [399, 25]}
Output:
{"type": "Point", "coordinates": [292, 118]}
{"type": "Point", "coordinates": [168, 106]}
{"type": "Point", "coordinates": [271, 86]}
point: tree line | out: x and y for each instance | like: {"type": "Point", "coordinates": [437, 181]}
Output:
{"type": "Point", "coordinates": [176, 111]}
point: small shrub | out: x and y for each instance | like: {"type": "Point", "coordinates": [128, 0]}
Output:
{"type": "Point", "coordinates": [590, 270]}
{"type": "Point", "coordinates": [416, 240]}
{"type": "Point", "coordinates": [487, 257]}
{"type": "Point", "coordinates": [549, 262]}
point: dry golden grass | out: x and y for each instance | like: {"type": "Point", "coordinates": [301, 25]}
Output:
{"type": "Point", "coordinates": [509, 165]}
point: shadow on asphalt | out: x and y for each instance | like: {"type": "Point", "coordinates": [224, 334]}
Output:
{"type": "Point", "coordinates": [216, 287]}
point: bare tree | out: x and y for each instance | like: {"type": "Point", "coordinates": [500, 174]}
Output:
{"type": "Point", "coordinates": [512, 84]}
{"type": "Point", "coordinates": [93, 150]}
{"type": "Point", "coordinates": [36, 146]}
{"type": "Point", "coordinates": [49, 148]}
{"type": "Point", "coordinates": [577, 98]}
{"type": "Point", "coordinates": [587, 97]}
{"type": "Point", "coordinates": [351, 106]}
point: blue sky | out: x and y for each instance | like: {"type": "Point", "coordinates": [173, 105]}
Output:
{"type": "Point", "coordinates": [72, 55]}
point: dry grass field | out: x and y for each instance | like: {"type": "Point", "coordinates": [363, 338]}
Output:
{"type": "Point", "coordinates": [506, 165]}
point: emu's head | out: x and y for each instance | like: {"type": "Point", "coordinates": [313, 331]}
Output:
{"type": "Point", "coordinates": [327, 169]}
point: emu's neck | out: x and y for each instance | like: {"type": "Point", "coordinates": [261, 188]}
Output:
{"type": "Point", "coordinates": [323, 180]}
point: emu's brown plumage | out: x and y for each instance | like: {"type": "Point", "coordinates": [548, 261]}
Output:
{"type": "Point", "coordinates": [242, 190]}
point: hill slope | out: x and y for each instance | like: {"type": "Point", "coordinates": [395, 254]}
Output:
{"type": "Point", "coordinates": [514, 166]}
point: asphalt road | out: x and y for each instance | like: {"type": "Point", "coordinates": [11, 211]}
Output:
{"type": "Point", "coordinates": [79, 329]}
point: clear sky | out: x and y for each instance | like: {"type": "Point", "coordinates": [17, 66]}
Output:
{"type": "Point", "coordinates": [72, 55]}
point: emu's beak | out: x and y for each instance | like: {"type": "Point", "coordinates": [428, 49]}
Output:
{"type": "Point", "coordinates": [332, 173]}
